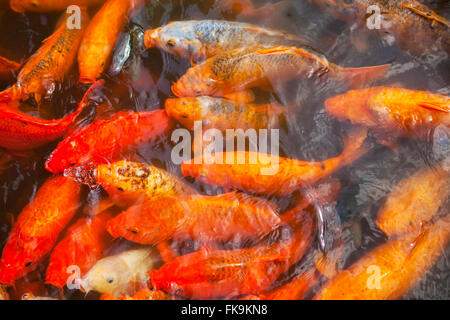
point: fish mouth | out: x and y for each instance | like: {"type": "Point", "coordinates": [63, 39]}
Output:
{"type": "Point", "coordinates": [151, 38]}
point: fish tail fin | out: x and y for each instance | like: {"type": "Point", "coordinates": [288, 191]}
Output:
{"type": "Point", "coordinates": [354, 147]}
{"type": "Point", "coordinates": [360, 77]}
{"type": "Point", "coordinates": [10, 95]}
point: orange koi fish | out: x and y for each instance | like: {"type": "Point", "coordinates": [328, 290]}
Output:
{"type": "Point", "coordinates": [223, 114]}
{"type": "Point", "coordinates": [101, 36]}
{"type": "Point", "coordinates": [128, 183]}
{"type": "Point", "coordinates": [414, 201]}
{"type": "Point", "coordinates": [49, 65]}
{"type": "Point", "coordinates": [104, 140]}
{"type": "Point", "coordinates": [204, 218]}
{"type": "Point", "coordinates": [7, 69]}
{"type": "Point", "coordinates": [209, 274]}
{"type": "Point", "coordinates": [289, 175]}
{"type": "Point", "coordinates": [38, 228]}
{"type": "Point", "coordinates": [242, 69]}
{"type": "Point", "coordinates": [20, 131]}
{"type": "Point", "coordinates": [392, 113]}
{"type": "Point", "coordinates": [198, 40]}
{"type": "Point", "coordinates": [399, 265]}
{"type": "Point", "coordinates": [50, 5]}
{"type": "Point", "coordinates": [82, 246]}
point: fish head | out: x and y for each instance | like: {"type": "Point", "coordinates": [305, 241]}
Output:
{"type": "Point", "coordinates": [185, 110]}
{"type": "Point", "coordinates": [197, 82]}
{"type": "Point", "coordinates": [177, 38]}
{"type": "Point", "coordinates": [345, 10]}
{"type": "Point", "coordinates": [350, 106]}
{"type": "Point", "coordinates": [107, 276]}
{"type": "Point", "coordinates": [18, 259]}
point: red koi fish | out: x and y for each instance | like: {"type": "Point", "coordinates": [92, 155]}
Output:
{"type": "Point", "coordinates": [103, 140]}
{"type": "Point", "coordinates": [20, 131]}
{"type": "Point", "coordinates": [82, 246]}
{"type": "Point", "coordinates": [38, 228]}
{"type": "Point", "coordinates": [209, 274]}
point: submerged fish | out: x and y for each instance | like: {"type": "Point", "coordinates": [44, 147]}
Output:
{"type": "Point", "coordinates": [124, 273]}
{"type": "Point", "coordinates": [209, 274]}
{"type": "Point", "coordinates": [8, 68]}
{"type": "Point", "coordinates": [284, 175]}
{"type": "Point", "coordinates": [128, 183]}
{"type": "Point", "coordinates": [38, 227]}
{"type": "Point", "coordinates": [198, 40]}
{"type": "Point", "coordinates": [50, 5]}
{"type": "Point", "coordinates": [204, 218]}
{"type": "Point", "coordinates": [223, 114]}
{"type": "Point", "coordinates": [391, 113]}
{"type": "Point", "coordinates": [104, 140]}
{"type": "Point", "coordinates": [20, 131]}
{"type": "Point", "coordinates": [49, 65]}
{"type": "Point", "coordinates": [101, 37]}
{"type": "Point", "coordinates": [414, 201]}
{"type": "Point", "coordinates": [82, 246]}
{"type": "Point", "coordinates": [392, 269]}
{"type": "Point", "coordinates": [264, 68]}
{"type": "Point", "coordinates": [416, 28]}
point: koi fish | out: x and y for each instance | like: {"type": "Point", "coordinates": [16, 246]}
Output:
{"type": "Point", "coordinates": [209, 274]}
{"type": "Point", "coordinates": [296, 289]}
{"type": "Point", "coordinates": [287, 175]}
{"type": "Point", "coordinates": [204, 218]}
{"type": "Point", "coordinates": [101, 36]}
{"type": "Point", "coordinates": [20, 131]}
{"type": "Point", "coordinates": [128, 183]}
{"type": "Point", "coordinates": [50, 5]}
{"type": "Point", "coordinates": [82, 246]}
{"type": "Point", "coordinates": [198, 40]}
{"type": "Point", "coordinates": [49, 65]}
{"type": "Point", "coordinates": [243, 69]}
{"type": "Point", "coordinates": [392, 112]}
{"type": "Point", "coordinates": [415, 27]}
{"type": "Point", "coordinates": [38, 227]}
{"type": "Point", "coordinates": [414, 201]}
{"type": "Point", "coordinates": [103, 140]}
{"type": "Point", "coordinates": [8, 68]}
{"type": "Point", "coordinates": [401, 264]}
{"type": "Point", "coordinates": [223, 114]}
{"type": "Point", "coordinates": [143, 294]}
{"type": "Point", "coordinates": [124, 273]}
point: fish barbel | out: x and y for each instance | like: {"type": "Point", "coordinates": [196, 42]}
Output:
{"type": "Point", "coordinates": [240, 69]}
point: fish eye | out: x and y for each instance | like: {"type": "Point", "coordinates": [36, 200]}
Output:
{"type": "Point", "coordinates": [133, 230]}
{"type": "Point", "coordinates": [348, 1]}
{"type": "Point", "coordinates": [28, 264]}
{"type": "Point", "coordinates": [110, 280]}
{"type": "Point", "coordinates": [171, 43]}
{"type": "Point", "coordinates": [184, 116]}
